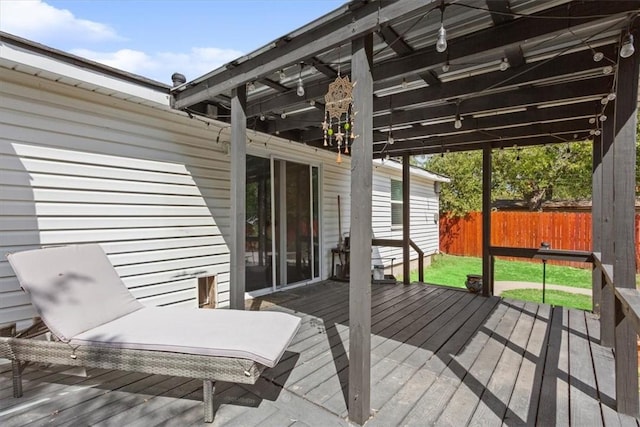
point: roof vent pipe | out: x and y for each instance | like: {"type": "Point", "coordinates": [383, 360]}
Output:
{"type": "Point", "coordinates": [178, 79]}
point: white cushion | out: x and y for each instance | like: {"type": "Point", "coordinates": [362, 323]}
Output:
{"type": "Point", "coordinates": [73, 288]}
{"type": "Point", "coordinates": [260, 336]}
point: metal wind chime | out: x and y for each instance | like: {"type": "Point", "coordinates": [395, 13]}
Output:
{"type": "Point", "coordinates": [338, 115]}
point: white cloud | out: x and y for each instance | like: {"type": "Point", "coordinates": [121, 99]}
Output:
{"type": "Point", "coordinates": [36, 20]}
{"type": "Point", "coordinates": [159, 66]}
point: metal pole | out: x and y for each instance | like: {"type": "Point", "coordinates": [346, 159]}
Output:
{"type": "Point", "coordinates": [544, 277]}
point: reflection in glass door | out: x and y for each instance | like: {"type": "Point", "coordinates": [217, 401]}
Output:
{"type": "Point", "coordinates": [293, 248]}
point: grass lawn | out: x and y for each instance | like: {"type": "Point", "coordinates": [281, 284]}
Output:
{"type": "Point", "coordinates": [559, 298]}
{"type": "Point", "coordinates": [452, 271]}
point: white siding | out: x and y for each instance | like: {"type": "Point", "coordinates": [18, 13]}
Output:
{"type": "Point", "coordinates": [148, 185]}
{"type": "Point", "coordinates": [424, 205]}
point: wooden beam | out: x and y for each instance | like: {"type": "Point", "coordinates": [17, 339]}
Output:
{"type": "Point", "coordinates": [430, 77]}
{"type": "Point", "coordinates": [515, 57]}
{"type": "Point", "coordinates": [317, 39]}
{"type": "Point", "coordinates": [394, 40]}
{"type": "Point", "coordinates": [360, 268]}
{"type": "Point", "coordinates": [487, 286]}
{"type": "Point", "coordinates": [322, 67]}
{"type": "Point", "coordinates": [607, 300]}
{"type": "Point", "coordinates": [500, 11]}
{"type": "Point", "coordinates": [406, 220]}
{"type": "Point", "coordinates": [274, 85]}
{"type": "Point", "coordinates": [596, 221]}
{"type": "Point", "coordinates": [238, 196]}
{"type": "Point", "coordinates": [624, 268]}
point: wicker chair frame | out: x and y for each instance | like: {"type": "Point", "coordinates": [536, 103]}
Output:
{"type": "Point", "coordinates": [209, 369]}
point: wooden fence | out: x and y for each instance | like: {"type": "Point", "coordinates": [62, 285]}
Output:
{"type": "Point", "coordinates": [563, 230]}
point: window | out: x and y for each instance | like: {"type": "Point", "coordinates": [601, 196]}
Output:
{"type": "Point", "coordinates": [396, 203]}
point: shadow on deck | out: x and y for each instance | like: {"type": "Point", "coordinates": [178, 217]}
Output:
{"type": "Point", "coordinates": [440, 356]}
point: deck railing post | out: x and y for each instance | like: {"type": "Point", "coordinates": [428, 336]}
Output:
{"type": "Point", "coordinates": [624, 187]}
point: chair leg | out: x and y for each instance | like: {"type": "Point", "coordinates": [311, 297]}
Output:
{"type": "Point", "coordinates": [208, 390]}
{"type": "Point", "coordinates": [17, 378]}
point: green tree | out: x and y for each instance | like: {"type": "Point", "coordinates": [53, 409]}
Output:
{"type": "Point", "coordinates": [533, 174]}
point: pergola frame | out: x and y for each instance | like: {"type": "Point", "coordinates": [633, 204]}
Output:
{"type": "Point", "coordinates": [550, 93]}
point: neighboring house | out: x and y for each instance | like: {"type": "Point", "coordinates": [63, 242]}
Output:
{"type": "Point", "coordinates": [93, 154]}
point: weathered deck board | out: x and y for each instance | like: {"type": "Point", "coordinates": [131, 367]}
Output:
{"type": "Point", "coordinates": [439, 357]}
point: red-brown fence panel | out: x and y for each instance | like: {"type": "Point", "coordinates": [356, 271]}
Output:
{"type": "Point", "coordinates": [562, 230]}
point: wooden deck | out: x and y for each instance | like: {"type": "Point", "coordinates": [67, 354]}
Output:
{"type": "Point", "coordinates": [439, 357]}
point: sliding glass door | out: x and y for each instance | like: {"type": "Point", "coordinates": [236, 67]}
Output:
{"type": "Point", "coordinates": [288, 252]}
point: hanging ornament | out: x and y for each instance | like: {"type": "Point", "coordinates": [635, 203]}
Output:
{"type": "Point", "coordinates": [338, 107]}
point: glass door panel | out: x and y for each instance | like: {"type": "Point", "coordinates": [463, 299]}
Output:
{"type": "Point", "coordinates": [258, 245]}
{"type": "Point", "coordinates": [298, 218]}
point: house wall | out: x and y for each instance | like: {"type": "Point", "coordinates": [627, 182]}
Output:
{"type": "Point", "coordinates": [424, 208]}
{"type": "Point", "coordinates": [150, 185]}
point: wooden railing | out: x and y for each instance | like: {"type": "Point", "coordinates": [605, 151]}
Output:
{"type": "Point", "coordinates": [612, 326]}
{"type": "Point", "coordinates": [615, 317]}
{"type": "Point", "coordinates": [398, 244]}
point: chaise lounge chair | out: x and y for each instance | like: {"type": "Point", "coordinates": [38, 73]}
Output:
{"type": "Point", "coordinates": [97, 323]}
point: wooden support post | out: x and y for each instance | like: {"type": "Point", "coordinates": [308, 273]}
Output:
{"type": "Point", "coordinates": [487, 275]}
{"type": "Point", "coordinates": [406, 220]}
{"type": "Point", "coordinates": [361, 193]}
{"type": "Point", "coordinates": [238, 195]}
{"type": "Point", "coordinates": [596, 221]}
{"type": "Point", "coordinates": [624, 268]}
{"type": "Point", "coordinates": [607, 297]}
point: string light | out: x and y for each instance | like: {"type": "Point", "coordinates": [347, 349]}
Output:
{"type": "Point", "coordinates": [458, 122]}
{"type": "Point", "coordinates": [251, 86]}
{"type": "Point", "coordinates": [598, 56]}
{"type": "Point", "coordinates": [627, 48]}
{"type": "Point", "coordinates": [504, 64]}
{"type": "Point", "coordinates": [312, 102]}
{"type": "Point", "coordinates": [441, 43]}
{"type": "Point", "coordinates": [592, 120]}
{"type": "Point", "coordinates": [300, 86]}
{"type": "Point", "coordinates": [283, 115]}
{"type": "Point", "coordinates": [282, 76]}
{"type": "Point", "coordinates": [607, 70]}
{"type": "Point", "coordinates": [404, 83]}
{"type": "Point", "coordinates": [603, 117]}
{"type": "Point", "coordinates": [262, 117]}
{"type": "Point", "coordinates": [611, 96]}
{"type": "Point", "coordinates": [445, 67]}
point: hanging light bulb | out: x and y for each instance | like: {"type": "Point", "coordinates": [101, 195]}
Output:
{"type": "Point", "coordinates": [262, 117]}
{"type": "Point", "coordinates": [611, 96]}
{"type": "Point", "coordinates": [404, 83]}
{"type": "Point", "coordinates": [598, 56]}
{"type": "Point", "coordinates": [607, 70]}
{"type": "Point", "coordinates": [283, 115]}
{"type": "Point", "coordinates": [604, 100]}
{"type": "Point", "coordinates": [281, 75]}
{"type": "Point", "coordinates": [504, 64]}
{"type": "Point", "coordinates": [445, 67]}
{"type": "Point", "coordinates": [627, 48]}
{"type": "Point", "coordinates": [592, 120]}
{"type": "Point", "coordinates": [390, 140]}
{"type": "Point", "coordinates": [592, 132]}
{"type": "Point", "coordinates": [458, 122]}
{"type": "Point", "coordinates": [386, 157]}
{"type": "Point", "coordinates": [603, 117]}
{"type": "Point", "coordinates": [441, 44]}
{"type": "Point", "coordinates": [312, 102]}
{"type": "Point", "coordinates": [251, 86]}
{"type": "Point", "coordinates": [597, 132]}
{"type": "Point", "coordinates": [300, 87]}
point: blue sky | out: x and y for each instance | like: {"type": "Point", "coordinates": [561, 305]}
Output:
{"type": "Point", "coordinates": [154, 38]}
